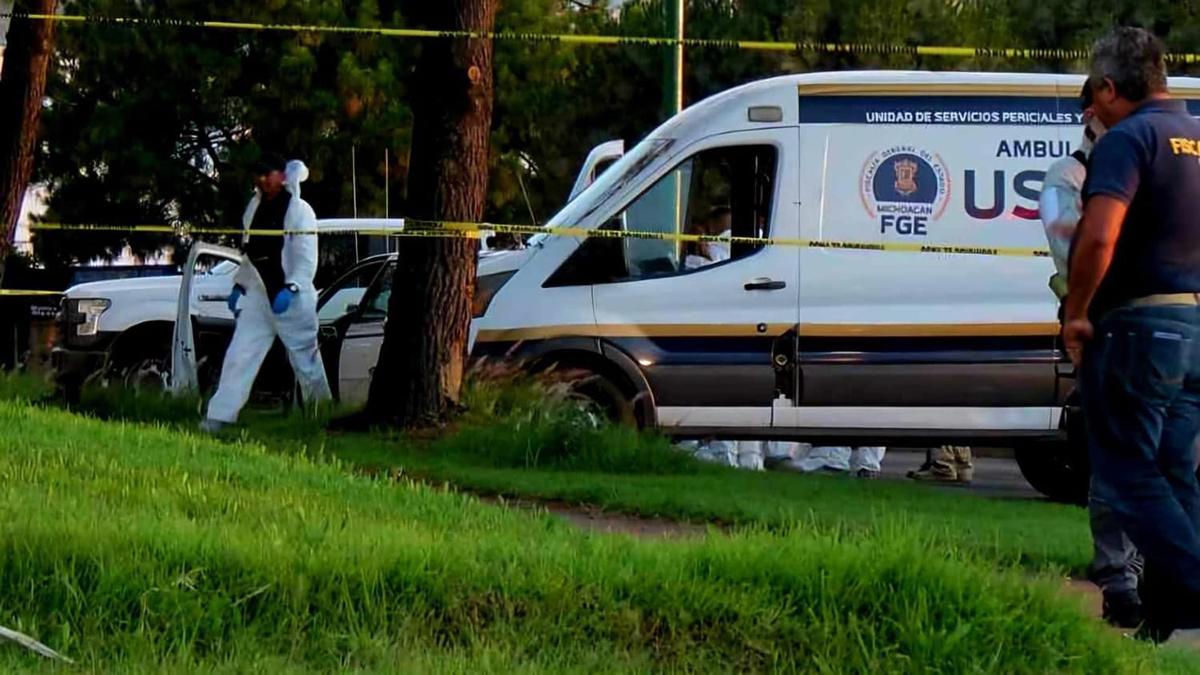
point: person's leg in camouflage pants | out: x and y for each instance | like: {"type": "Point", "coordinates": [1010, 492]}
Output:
{"type": "Point", "coordinates": [946, 464]}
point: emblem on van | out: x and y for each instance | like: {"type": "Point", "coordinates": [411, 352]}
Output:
{"type": "Point", "coordinates": [905, 188]}
{"type": "Point", "coordinates": [906, 176]}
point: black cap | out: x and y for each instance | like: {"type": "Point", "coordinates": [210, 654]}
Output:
{"type": "Point", "coordinates": [1085, 96]}
{"type": "Point", "coordinates": [269, 162]}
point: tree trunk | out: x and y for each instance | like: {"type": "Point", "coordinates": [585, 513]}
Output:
{"type": "Point", "coordinates": [418, 379]}
{"type": "Point", "coordinates": [22, 88]}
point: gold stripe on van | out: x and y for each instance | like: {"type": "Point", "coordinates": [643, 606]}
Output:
{"type": "Point", "coordinates": [768, 330]}
{"type": "Point", "coordinates": [960, 88]}
{"type": "Point", "coordinates": [928, 330]}
{"type": "Point", "coordinates": [633, 330]}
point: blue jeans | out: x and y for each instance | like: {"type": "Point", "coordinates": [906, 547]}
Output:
{"type": "Point", "coordinates": [1140, 383]}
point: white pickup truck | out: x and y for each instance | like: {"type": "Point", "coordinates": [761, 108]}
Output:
{"type": "Point", "coordinates": [122, 329]}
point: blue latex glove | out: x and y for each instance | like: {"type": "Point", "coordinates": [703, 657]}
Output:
{"type": "Point", "coordinates": [282, 301]}
{"type": "Point", "coordinates": [235, 295]}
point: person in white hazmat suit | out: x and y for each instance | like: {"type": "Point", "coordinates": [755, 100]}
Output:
{"type": "Point", "coordinates": [274, 295]}
{"type": "Point", "coordinates": [1115, 561]}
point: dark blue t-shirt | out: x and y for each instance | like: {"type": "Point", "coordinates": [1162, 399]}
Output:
{"type": "Point", "coordinates": [1150, 161]}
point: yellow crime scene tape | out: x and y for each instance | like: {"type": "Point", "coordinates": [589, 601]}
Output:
{"type": "Point", "coordinates": [443, 228]}
{"type": "Point", "coordinates": [582, 39]}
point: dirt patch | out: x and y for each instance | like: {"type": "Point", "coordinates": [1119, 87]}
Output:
{"type": "Point", "coordinates": [594, 519]}
{"type": "Point", "coordinates": [599, 521]}
{"type": "Point", "coordinates": [584, 516]}
{"type": "Point", "coordinates": [1088, 593]}
{"type": "Point", "coordinates": [1093, 602]}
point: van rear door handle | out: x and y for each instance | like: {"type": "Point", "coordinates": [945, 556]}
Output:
{"type": "Point", "coordinates": [765, 284]}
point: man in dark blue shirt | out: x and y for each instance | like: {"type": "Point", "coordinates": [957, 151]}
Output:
{"type": "Point", "coordinates": [1133, 319]}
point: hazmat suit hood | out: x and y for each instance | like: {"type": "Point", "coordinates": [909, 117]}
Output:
{"type": "Point", "coordinates": [295, 174]}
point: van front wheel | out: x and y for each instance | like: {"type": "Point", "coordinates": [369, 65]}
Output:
{"type": "Point", "coordinates": [597, 393]}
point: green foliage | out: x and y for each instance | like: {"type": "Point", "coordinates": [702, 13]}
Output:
{"type": "Point", "coordinates": [160, 125]}
{"type": "Point", "coordinates": [17, 386]}
{"type": "Point", "coordinates": [138, 549]}
{"type": "Point", "coordinates": [157, 125]}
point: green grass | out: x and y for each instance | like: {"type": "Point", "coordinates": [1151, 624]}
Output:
{"type": "Point", "coordinates": [518, 440]}
{"type": "Point", "coordinates": [24, 386]}
{"type": "Point", "coordinates": [143, 549]}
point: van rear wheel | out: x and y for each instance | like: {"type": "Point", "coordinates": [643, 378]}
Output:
{"type": "Point", "coordinates": [1056, 471]}
{"type": "Point", "coordinates": [1060, 469]}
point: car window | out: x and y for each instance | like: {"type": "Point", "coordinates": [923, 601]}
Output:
{"type": "Point", "coordinates": [375, 305]}
{"type": "Point", "coordinates": [720, 193]}
{"type": "Point", "coordinates": [224, 267]}
{"type": "Point", "coordinates": [344, 295]}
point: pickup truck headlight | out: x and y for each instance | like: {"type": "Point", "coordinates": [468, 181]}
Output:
{"type": "Point", "coordinates": [87, 313]}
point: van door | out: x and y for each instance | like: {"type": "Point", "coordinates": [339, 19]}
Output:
{"type": "Point", "coordinates": [704, 321]}
{"type": "Point", "coordinates": [925, 341]}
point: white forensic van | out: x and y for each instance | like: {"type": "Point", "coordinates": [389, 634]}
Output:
{"type": "Point", "coordinates": [865, 347]}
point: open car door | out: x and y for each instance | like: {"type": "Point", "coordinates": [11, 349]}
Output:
{"type": "Point", "coordinates": [184, 379]}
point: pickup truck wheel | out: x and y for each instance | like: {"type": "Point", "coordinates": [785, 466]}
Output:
{"type": "Point", "coordinates": [141, 359]}
{"type": "Point", "coordinates": [1060, 469]}
{"type": "Point", "coordinates": [149, 373]}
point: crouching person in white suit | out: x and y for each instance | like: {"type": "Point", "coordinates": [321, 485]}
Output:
{"type": "Point", "coordinates": [274, 295]}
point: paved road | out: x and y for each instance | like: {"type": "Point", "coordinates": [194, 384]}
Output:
{"type": "Point", "coordinates": [994, 476]}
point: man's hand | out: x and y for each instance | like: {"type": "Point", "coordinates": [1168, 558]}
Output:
{"type": "Point", "coordinates": [1075, 334]}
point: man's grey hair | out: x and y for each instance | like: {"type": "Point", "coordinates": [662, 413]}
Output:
{"type": "Point", "coordinates": [1134, 59]}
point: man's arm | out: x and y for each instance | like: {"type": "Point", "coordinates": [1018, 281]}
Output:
{"type": "Point", "coordinates": [1098, 234]}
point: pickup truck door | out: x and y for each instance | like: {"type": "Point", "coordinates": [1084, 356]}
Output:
{"type": "Point", "coordinates": [184, 379]}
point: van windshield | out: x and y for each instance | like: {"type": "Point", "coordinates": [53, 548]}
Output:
{"type": "Point", "coordinates": [613, 180]}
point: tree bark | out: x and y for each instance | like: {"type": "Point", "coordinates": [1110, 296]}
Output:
{"type": "Point", "coordinates": [418, 380]}
{"type": "Point", "coordinates": [22, 88]}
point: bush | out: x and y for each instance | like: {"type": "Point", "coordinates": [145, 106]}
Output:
{"type": "Point", "coordinates": [519, 421]}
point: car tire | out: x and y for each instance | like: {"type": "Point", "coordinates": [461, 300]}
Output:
{"type": "Point", "coordinates": [152, 373]}
{"type": "Point", "coordinates": [605, 397]}
{"type": "Point", "coordinates": [1060, 469]}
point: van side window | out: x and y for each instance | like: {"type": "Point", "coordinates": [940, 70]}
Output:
{"type": "Point", "coordinates": [719, 192]}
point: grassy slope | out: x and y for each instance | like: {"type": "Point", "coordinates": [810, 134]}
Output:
{"type": "Point", "coordinates": [513, 442]}
{"type": "Point", "coordinates": [137, 548]}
